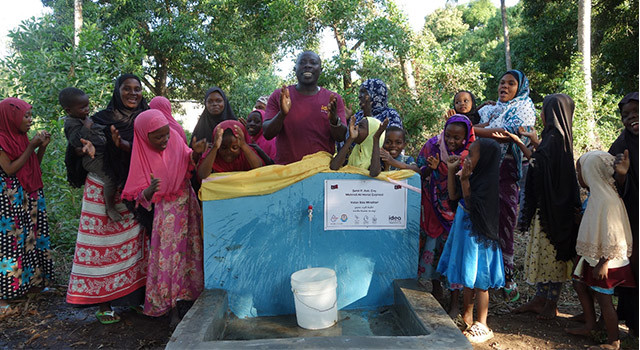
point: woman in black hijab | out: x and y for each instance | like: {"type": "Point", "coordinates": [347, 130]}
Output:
{"type": "Point", "coordinates": [90, 277]}
{"type": "Point", "coordinates": [216, 110]}
{"type": "Point", "coordinates": [628, 189]}
{"type": "Point", "coordinates": [125, 105]}
{"type": "Point", "coordinates": [552, 202]}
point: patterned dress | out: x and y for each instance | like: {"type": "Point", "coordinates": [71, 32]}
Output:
{"type": "Point", "coordinates": [110, 257]}
{"type": "Point", "coordinates": [540, 264]}
{"type": "Point", "coordinates": [25, 248]}
{"type": "Point", "coordinates": [175, 261]}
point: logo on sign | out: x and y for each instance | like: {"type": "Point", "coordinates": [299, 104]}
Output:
{"type": "Point", "coordinates": [395, 219]}
{"type": "Point", "coordinates": [334, 218]}
{"type": "Point", "coordinates": [334, 187]}
{"type": "Point", "coordinates": [397, 187]}
{"type": "Point", "coordinates": [344, 218]}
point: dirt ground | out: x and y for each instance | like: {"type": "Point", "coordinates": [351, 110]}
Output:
{"type": "Point", "coordinates": [46, 321]}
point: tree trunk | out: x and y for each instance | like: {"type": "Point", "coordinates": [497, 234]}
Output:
{"type": "Point", "coordinates": [407, 76]}
{"type": "Point", "coordinates": [584, 46]}
{"type": "Point", "coordinates": [344, 55]}
{"type": "Point", "coordinates": [161, 78]}
{"type": "Point", "coordinates": [77, 22]}
{"type": "Point", "coordinates": [505, 30]}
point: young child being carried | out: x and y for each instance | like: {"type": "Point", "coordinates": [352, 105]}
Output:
{"type": "Point", "coordinates": [464, 102]}
{"type": "Point", "coordinates": [79, 128]}
{"type": "Point", "coordinates": [604, 244]}
{"type": "Point", "coordinates": [472, 256]}
{"type": "Point", "coordinates": [366, 152]}
{"type": "Point", "coordinates": [395, 141]}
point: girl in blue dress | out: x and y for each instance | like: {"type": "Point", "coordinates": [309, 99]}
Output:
{"type": "Point", "coordinates": [472, 255]}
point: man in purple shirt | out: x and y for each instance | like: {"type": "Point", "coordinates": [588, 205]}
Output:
{"type": "Point", "coordinates": [306, 117]}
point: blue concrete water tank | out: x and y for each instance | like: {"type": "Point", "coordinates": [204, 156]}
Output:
{"type": "Point", "coordinates": [253, 244]}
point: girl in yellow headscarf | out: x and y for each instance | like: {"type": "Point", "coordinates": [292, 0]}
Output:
{"type": "Point", "coordinates": [365, 152]}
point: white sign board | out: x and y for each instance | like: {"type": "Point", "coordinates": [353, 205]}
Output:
{"type": "Point", "coordinates": [364, 205]}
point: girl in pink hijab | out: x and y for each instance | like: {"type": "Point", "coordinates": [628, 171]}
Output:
{"type": "Point", "coordinates": [163, 104]}
{"type": "Point", "coordinates": [159, 181]}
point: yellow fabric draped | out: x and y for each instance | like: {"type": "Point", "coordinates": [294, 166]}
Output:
{"type": "Point", "coordinates": [269, 179]}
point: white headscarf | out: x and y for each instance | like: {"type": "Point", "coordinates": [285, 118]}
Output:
{"type": "Point", "coordinates": [604, 231]}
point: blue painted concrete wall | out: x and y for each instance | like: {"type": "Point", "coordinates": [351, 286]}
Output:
{"type": "Point", "coordinates": [253, 244]}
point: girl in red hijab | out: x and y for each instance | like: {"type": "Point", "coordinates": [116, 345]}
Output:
{"type": "Point", "coordinates": [159, 181]}
{"type": "Point", "coordinates": [230, 151]}
{"type": "Point", "coordinates": [25, 257]}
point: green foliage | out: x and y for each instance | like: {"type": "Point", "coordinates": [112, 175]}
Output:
{"type": "Point", "coordinates": [245, 91]}
{"type": "Point", "coordinates": [478, 13]}
{"type": "Point", "coordinates": [607, 117]}
{"type": "Point", "coordinates": [545, 47]}
{"type": "Point", "coordinates": [446, 24]}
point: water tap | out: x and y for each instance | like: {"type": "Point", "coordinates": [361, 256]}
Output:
{"type": "Point", "coordinates": [310, 209]}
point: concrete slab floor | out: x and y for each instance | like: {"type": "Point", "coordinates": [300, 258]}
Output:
{"type": "Point", "coordinates": [417, 311]}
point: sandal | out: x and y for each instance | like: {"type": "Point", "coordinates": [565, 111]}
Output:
{"type": "Point", "coordinates": [5, 309]}
{"type": "Point", "coordinates": [460, 323]}
{"type": "Point", "coordinates": [102, 315]}
{"type": "Point", "coordinates": [513, 287]}
{"type": "Point", "coordinates": [478, 333]}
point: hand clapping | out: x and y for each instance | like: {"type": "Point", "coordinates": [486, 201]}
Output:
{"type": "Point", "coordinates": [465, 173]}
{"type": "Point", "coordinates": [453, 162]}
{"type": "Point", "coordinates": [433, 162]}
{"type": "Point", "coordinates": [198, 146]}
{"type": "Point", "coordinates": [285, 100]}
{"type": "Point", "coordinates": [621, 164]}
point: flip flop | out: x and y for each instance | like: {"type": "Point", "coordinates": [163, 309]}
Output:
{"type": "Point", "coordinates": [5, 309]}
{"type": "Point", "coordinates": [100, 315]}
{"type": "Point", "coordinates": [508, 291]}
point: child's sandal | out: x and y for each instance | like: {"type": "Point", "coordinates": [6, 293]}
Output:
{"type": "Point", "coordinates": [478, 333]}
{"type": "Point", "coordinates": [510, 291]}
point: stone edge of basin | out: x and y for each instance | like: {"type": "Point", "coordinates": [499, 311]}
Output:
{"type": "Point", "coordinates": [205, 320]}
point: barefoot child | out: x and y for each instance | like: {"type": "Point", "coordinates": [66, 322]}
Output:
{"type": "Point", "coordinates": [159, 180]}
{"type": "Point", "coordinates": [552, 202]}
{"type": "Point", "coordinates": [230, 151]}
{"type": "Point", "coordinates": [472, 255]}
{"type": "Point", "coordinates": [25, 248]}
{"type": "Point", "coordinates": [77, 127]}
{"type": "Point", "coordinates": [395, 141]}
{"type": "Point", "coordinates": [604, 245]}
{"type": "Point", "coordinates": [437, 210]}
{"type": "Point", "coordinates": [366, 152]}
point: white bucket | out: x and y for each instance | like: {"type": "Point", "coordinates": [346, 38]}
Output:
{"type": "Point", "coordinates": [314, 292]}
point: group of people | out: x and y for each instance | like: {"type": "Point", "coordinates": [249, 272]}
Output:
{"type": "Point", "coordinates": [471, 206]}
{"type": "Point", "coordinates": [139, 241]}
